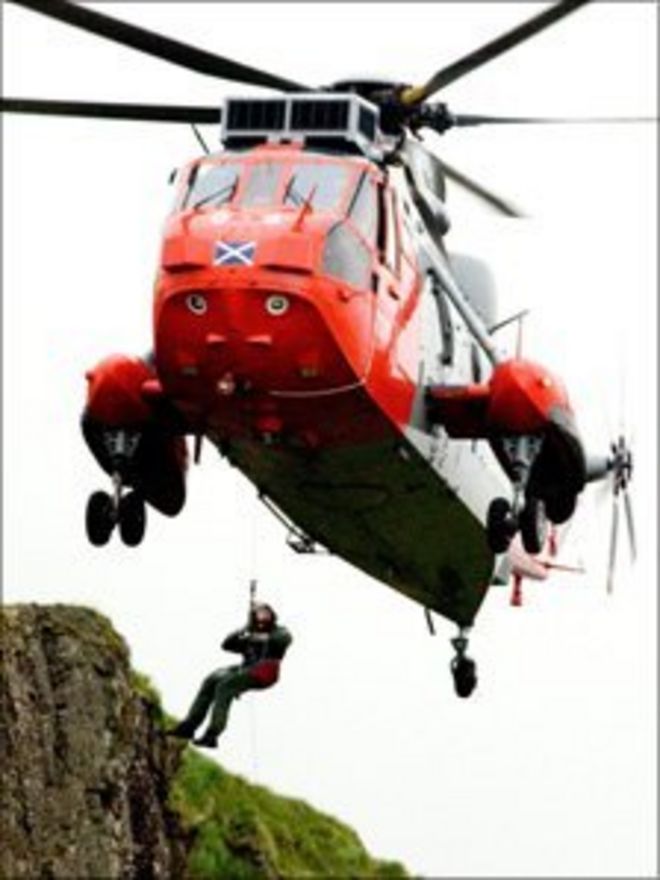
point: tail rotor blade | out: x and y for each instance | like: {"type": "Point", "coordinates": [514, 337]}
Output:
{"type": "Point", "coordinates": [616, 476]}
{"type": "Point", "coordinates": [614, 534]}
{"type": "Point", "coordinates": [630, 522]}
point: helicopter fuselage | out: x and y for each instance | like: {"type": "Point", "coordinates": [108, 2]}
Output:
{"type": "Point", "coordinates": [304, 316]}
{"type": "Point", "coordinates": [295, 328]}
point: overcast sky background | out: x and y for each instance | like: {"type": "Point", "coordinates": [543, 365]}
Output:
{"type": "Point", "coordinates": [550, 769]}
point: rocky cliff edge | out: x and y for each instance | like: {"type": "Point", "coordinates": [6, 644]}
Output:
{"type": "Point", "coordinates": [91, 787]}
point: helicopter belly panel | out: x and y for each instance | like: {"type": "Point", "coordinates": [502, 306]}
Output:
{"type": "Point", "coordinates": [386, 510]}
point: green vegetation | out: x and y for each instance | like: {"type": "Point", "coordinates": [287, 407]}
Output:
{"type": "Point", "coordinates": [245, 832]}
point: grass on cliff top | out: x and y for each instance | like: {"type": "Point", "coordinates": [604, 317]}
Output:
{"type": "Point", "coordinates": [245, 832]}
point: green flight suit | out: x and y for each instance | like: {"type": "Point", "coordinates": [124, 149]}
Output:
{"type": "Point", "coordinates": [262, 653]}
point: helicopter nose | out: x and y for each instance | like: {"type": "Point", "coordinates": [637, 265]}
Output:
{"type": "Point", "coordinates": [247, 340]}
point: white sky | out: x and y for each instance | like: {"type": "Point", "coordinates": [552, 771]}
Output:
{"type": "Point", "coordinates": [550, 769]}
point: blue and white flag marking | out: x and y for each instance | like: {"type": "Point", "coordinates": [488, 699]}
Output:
{"type": "Point", "coordinates": [234, 253]}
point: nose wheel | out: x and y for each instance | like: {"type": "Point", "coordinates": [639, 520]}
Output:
{"type": "Point", "coordinates": [463, 668]}
{"type": "Point", "coordinates": [105, 511]}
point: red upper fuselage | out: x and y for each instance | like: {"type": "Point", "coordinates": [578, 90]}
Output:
{"type": "Point", "coordinates": [266, 289]}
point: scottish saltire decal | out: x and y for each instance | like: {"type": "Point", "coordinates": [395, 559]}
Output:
{"type": "Point", "coordinates": [234, 253]}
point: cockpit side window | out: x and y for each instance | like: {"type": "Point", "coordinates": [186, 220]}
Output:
{"type": "Point", "coordinates": [325, 183]}
{"type": "Point", "coordinates": [346, 256]}
{"type": "Point", "coordinates": [363, 210]}
{"type": "Point", "coordinates": [212, 184]}
{"type": "Point", "coordinates": [261, 187]}
{"type": "Point", "coordinates": [393, 252]}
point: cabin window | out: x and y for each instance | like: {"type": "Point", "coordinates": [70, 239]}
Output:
{"type": "Point", "coordinates": [346, 256]}
{"type": "Point", "coordinates": [364, 208]}
{"type": "Point", "coordinates": [325, 183]}
{"type": "Point", "coordinates": [212, 184]}
{"type": "Point", "coordinates": [262, 185]}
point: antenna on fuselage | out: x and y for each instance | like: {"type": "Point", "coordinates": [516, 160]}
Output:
{"type": "Point", "coordinates": [200, 139]}
{"type": "Point", "coordinates": [519, 317]}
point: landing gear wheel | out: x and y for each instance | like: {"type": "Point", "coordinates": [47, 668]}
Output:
{"type": "Point", "coordinates": [464, 670]}
{"type": "Point", "coordinates": [99, 518]}
{"type": "Point", "coordinates": [533, 525]}
{"type": "Point", "coordinates": [560, 508]}
{"type": "Point", "coordinates": [132, 519]}
{"type": "Point", "coordinates": [500, 527]}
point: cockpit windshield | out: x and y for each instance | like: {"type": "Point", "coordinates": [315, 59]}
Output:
{"type": "Point", "coordinates": [322, 185]}
{"type": "Point", "coordinates": [213, 184]}
{"type": "Point", "coordinates": [262, 184]}
{"type": "Point", "coordinates": [269, 182]}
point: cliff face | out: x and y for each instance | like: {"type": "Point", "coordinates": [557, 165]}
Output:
{"type": "Point", "coordinates": [85, 773]}
{"type": "Point", "coordinates": [91, 787]}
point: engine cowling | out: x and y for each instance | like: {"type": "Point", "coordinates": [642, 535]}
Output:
{"type": "Point", "coordinates": [132, 430]}
{"type": "Point", "coordinates": [520, 399]}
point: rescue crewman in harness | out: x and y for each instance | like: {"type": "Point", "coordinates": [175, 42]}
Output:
{"type": "Point", "coordinates": [263, 644]}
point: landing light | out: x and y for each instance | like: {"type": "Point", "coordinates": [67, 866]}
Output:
{"type": "Point", "coordinates": [197, 303]}
{"type": "Point", "coordinates": [226, 385]}
{"type": "Point", "coordinates": [277, 305]}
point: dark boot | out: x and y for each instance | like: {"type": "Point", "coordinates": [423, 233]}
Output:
{"type": "Point", "coordinates": [184, 730]}
{"type": "Point", "coordinates": [209, 740]}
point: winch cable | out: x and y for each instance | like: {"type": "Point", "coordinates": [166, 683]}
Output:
{"type": "Point", "coordinates": [253, 581]}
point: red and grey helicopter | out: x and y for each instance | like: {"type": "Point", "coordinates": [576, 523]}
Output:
{"type": "Point", "coordinates": [311, 324]}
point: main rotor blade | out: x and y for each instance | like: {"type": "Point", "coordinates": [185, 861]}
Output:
{"type": "Point", "coordinates": [497, 202]}
{"type": "Point", "coordinates": [465, 120]}
{"type": "Point", "coordinates": [152, 43]}
{"type": "Point", "coordinates": [96, 110]}
{"type": "Point", "coordinates": [487, 52]}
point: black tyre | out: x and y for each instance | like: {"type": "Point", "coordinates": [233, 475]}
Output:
{"type": "Point", "coordinates": [99, 518]}
{"type": "Point", "coordinates": [464, 670]}
{"type": "Point", "coordinates": [499, 525]}
{"type": "Point", "coordinates": [533, 525]}
{"type": "Point", "coordinates": [132, 519]}
{"type": "Point", "coordinates": [560, 508]}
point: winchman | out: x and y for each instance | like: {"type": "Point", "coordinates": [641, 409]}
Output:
{"type": "Point", "coordinates": [263, 644]}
